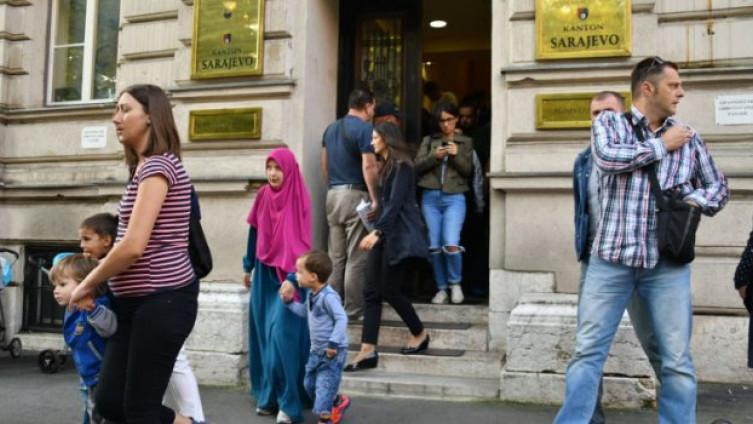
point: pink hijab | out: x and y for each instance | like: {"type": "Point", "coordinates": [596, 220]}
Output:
{"type": "Point", "coordinates": [282, 217]}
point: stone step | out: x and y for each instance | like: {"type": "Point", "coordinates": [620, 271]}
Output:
{"type": "Point", "coordinates": [472, 314]}
{"type": "Point", "coordinates": [468, 364]}
{"type": "Point", "coordinates": [443, 335]}
{"type": "Point", "coordinates": [619, 392]}
{"type": "Point", "coordinates": [402, 385]}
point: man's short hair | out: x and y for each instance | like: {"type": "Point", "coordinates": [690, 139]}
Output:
{"type": "Point", "coordinates": [648, 69]}
{"type": "Point", "coordinates": [359, 98]}
{"type": "Point", "coordinates": [319, 263]}
{"type": "Point", "coordinates": [603, 95]}
{"type": "Point", "coordinates": [103, 224]}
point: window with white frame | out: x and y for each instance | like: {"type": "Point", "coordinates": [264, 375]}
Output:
{"type": "Point", "coordinates": [83, 50]}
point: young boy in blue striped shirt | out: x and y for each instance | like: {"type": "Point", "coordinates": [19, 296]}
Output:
{"type": "Point", "coordinates": [328, 329]}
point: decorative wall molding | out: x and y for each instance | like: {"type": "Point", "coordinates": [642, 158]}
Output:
{"type": "Point", "coordinates": [88, 110]}
{"type": "Point", "coordinates": [530, 15]}
{"type": "Point", "coordinates": [203, 91]}
{"type": "Point", "coordinates": [703, 15]}
{"type": "Point", "coordinates": [166, 15]}
{"type": "Point", "coordinates": [155, 54]}
{"type": "Point", "coordinates": [6, 70]}
{"type": "Point", "coordinates": [16, 3]}
{"type": "Point", "coordinates": [5, 35]}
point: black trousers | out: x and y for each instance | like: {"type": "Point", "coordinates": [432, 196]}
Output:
{"type": "Point", "coordinates": [383, 282]}
{"type": "Point", "coordinates": [140, 356]}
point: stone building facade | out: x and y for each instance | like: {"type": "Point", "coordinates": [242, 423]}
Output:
{"type": "Point", "coordinates": [49, 182]}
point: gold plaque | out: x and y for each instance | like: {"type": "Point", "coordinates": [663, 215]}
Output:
{"type": "Point", "coordinates": [228, 38]}
{"type": "Point", "coordinates": [224, 124]}
{"type": "Point", "coordinates": [565, 111]}
{"type": "Point", "coordinates": [567, 29]}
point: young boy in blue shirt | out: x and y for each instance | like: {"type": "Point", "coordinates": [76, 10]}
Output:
{"type": "Point", "coordinates": [328, 329]}
{"type": "Point", "coordinates": [85, 330]}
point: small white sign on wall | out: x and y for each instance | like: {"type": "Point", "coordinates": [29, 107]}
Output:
{"type": "Point", "coordinates": [734, 110]}
{"type": "Point", "coordinates": [93, 137]}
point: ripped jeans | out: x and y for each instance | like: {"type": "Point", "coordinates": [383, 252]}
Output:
{"type": "Point", "coordinates": [444, 215]}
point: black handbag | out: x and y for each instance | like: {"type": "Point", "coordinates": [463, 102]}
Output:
{"type": "Point", "coordinates": [198, 248]}
{"type": "Point", "coordinates": [676, 220]}
{"type": "Point", "coordinates": [676, 223]}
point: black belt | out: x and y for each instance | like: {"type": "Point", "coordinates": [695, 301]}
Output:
{"type": "Point", "coordinates": [359, 187]}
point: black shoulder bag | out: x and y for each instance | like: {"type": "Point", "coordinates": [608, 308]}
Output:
{"type": "Point", "coordinates": [198, 248]}
{"type": "Point", "coordinates": [676, 220]}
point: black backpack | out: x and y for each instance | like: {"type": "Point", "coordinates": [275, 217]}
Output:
{"type": "Point", "coordinates": [198, 248]}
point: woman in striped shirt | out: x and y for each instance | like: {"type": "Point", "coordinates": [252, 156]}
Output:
{"type": "Point", "coordinates": [149, 271]}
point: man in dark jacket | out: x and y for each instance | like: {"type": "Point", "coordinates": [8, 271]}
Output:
{"type": "Point", "coordinates": [586, 192]}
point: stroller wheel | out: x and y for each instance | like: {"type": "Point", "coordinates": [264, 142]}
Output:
{"type": "Point", "coordinates": [15, 348]}
{"type": "Point", "coordinates": [48, 362]}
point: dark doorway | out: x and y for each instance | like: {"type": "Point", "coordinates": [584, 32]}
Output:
{"type": "Point", "coordinates": [41, 312]}
{"type": "Point", "coordinates": [391, 48]}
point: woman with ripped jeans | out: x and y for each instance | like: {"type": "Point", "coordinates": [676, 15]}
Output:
{"type": "Point", "coordinates": [444, 164]}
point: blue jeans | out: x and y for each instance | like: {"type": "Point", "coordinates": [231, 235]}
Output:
{"type": "Point", "coordinates": [607, 291]}
{"type": "Point", "coordinates": [322, 378]}
{"type": "Point", "coordinates": [641, 321]}
{"type": "Point", "coordinates": [444, 215]}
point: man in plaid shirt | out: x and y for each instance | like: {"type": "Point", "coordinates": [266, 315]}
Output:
{"type": "Point", "coordinates": [625, 258]}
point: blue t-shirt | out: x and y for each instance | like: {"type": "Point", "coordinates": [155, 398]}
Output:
{"type": "Point", "coordinates": [346, 140]}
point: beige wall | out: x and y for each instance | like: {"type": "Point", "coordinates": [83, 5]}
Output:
{"type": "Point", "coordinates": [532, 208]}
{"type": "Point", "coordinates": [51, 183]}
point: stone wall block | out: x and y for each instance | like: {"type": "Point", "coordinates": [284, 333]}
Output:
{"type": "Point", "coordinates": [541, 338]}
{"type": "Point", "coordinates": [218, 369]}
{"type": "Point", "coordinates": [222, 321]}
{"type": "Point", "coordinates": [720, 348]}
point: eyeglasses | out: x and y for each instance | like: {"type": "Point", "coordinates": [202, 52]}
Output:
{"type": "Point", "coordinates": [447, 120]}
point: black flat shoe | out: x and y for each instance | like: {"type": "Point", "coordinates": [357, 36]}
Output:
{"type": "Point", "coordinates": [363, 364]}
{"type": "Point", "coordinates": [408, 350]}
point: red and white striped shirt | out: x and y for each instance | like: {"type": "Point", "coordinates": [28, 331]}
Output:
{"type": "Point", "coordinates": [165, 264]}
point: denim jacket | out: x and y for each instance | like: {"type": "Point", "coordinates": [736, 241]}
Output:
{"type": "Point", "coordinates": [581, 172]}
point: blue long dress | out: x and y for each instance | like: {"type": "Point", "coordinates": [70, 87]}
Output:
{"type": "Point", "coordinates": [278, 341]}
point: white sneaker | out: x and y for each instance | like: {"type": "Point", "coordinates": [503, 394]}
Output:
{"type": "Point", "coordinates": [440, 297]}
{"type": "Point", "coordinates": [456, 295]}
{"type": "Point", "coordinates": [283, 418]}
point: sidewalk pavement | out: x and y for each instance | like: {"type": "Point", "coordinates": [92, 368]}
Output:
{"type": "Point", "coordinates": [27, 396]}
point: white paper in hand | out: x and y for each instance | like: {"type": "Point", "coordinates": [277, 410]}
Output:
{"type": "Point", "coordinates": [363, 210]}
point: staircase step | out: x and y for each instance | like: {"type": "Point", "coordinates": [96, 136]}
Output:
{"type": "Point", "coordinates": [382, 383]}
{"type": "Point", "coordinates": [446, 363]}
{"type": "Point", "coordinates": [472, 314]}
{"type": "Point", "coordinates": [443, 335]}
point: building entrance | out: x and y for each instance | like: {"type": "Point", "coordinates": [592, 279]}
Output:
{"type": "Point", "coordinates": [414, 54]}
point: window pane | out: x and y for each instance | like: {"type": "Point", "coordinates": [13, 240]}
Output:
{"type": "Point", "coordinates": [380, 56]}
{"type": "Point", "coordinates": [71, 23]}
{"type": "Point", "coordinates": [106, 50]}
{"type": "Point", "coordinates": [67, 66]}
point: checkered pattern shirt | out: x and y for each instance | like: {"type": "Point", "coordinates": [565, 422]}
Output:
{"type": "Point", "coordinates": [627, 226]}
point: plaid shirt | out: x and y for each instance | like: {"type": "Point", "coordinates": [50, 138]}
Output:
{"type": "Point", "coordinates": [627, 225]}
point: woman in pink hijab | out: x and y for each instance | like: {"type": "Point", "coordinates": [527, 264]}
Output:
{"type": "Point", "coordinates": [278, 343]}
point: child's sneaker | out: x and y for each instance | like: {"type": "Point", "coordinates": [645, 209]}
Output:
{"type": "Point", "coordinates": [342, 402]}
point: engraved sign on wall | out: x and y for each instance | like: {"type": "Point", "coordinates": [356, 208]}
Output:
{"type": "Point", "coordinates": [734, 110]}
{"type": "Point", "coordinates": [566, 110]}
{"type": "Point", "coordinates": [224, 124]}
{"type": "Point", "coordinates": [228, 38]}
{"type": "Point", "coordinates": [567, 29]}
